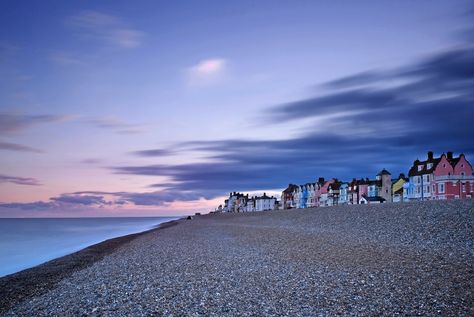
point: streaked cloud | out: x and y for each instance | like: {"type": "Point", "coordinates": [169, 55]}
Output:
{"type": "Point", "coordinates": [11, 122]}
{"type": "Point", "coordinates": [81, 199]}
{"type": "Point", "coordinates": [8, 146]}
{"type": "Point", "coordinates": [19, 180]}
{"type": "Point", "coordinates": [116, 125]}
{"type": "Point", "coordinates": [372, 122]}
{"type": "Point", "coordinates": [109, 29]}
{"type": "Point", "coordinates": [153, 153]}
{"type": "Point", "coordinates": [98, 199]}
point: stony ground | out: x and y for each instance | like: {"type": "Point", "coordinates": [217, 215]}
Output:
{"type": "Point", "coordinates": [392, 259]}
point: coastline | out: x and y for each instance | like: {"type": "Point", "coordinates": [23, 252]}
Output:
{"type": "Point", "coordinates": [354, 260]}
{"type": "Point", "coordinates": [18, 287]}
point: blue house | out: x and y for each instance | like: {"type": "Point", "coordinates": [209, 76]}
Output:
{"type": "Point", "coordinates": [372, 189]}
{"type": "Point", "coordinates": [304, 196]}
{"type": "Point", "coordinates": [344, 194]}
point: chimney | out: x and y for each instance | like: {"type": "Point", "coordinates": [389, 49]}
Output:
{"type": "Point", "coordinates": [321, 180]}
{"type": "Point", "coordinates": [430, 155]}
{"type": "Point", "coordinates": [450, 155]}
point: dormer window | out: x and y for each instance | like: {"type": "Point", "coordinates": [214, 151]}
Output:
{"type": "Point", "coordinates": [420, 167]}
{"type": "Point", "coordinates": [430, 165]}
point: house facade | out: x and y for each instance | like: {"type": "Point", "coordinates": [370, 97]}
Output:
{"type": "Point", "coordinates": [263, 203]}
{"type": "Point", "coordinates": [287, 197]}
{"type": "Point", "coordinates": [343, 194]}
{"type": "Point", "coordinates": [333, 193]}
{"type": "Point", "coordinates": [398, 188]}
{"type": "Point", "coordinates": [445, 177]}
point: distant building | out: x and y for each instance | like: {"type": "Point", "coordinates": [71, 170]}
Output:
{"type": "Point", "coordinates": [264, 202]}
{"type": "Point", "coordinates": [382, 186]}
{"type": "Point", "coordinates": [398, 188]}
{"type": "Point", "coordinates": [287, 197]}
{"type": "Point", "coordinates": [250, 205]}
{"type": "Point", "coordinates": [235, 202]}
{"type": "Point", "coordinates": [343, 194]}
{"type": "Point", "coordinates": [333, 193]}
{"type": "Point", "coordinates": [324, 198]}
{"type": "Point", "coordinates": [445, 177]}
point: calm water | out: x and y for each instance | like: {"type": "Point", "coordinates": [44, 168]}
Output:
{"type": "Point", "coordinates": [25, 243]}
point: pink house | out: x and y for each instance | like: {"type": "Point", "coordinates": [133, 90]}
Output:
{"type": "Point", "coordinates": [317, 191]}
{"type": "Point", "coordinates": [452, 178]}
{"type": "Point", "coordinates": [324, 200]}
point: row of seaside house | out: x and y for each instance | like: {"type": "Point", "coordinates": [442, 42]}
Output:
{"type": "Point", "coordinates": [443, 177]}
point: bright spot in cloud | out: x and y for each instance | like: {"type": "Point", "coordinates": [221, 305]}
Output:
{"type": "Point", "coordinates": [208, 71]}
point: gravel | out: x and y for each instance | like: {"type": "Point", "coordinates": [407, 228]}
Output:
{"type": "Point", "coordinates": [392, 259]}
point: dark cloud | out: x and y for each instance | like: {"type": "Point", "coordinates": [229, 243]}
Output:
{"type": "Point", "coordinates": [19, 180]}
{"type": "Point", "coordinates": [362, 124]}
{"type": "Point", "coordinates": [15, 122]}
{"type": "Point", "coordinates": [155, 198]}
{"type": "Point", "coordinates": [153, 152]}
{"type": "Point", "coordinates": [81, 199]}
{"type": "Point", "coordinates": [8, 146]}
{"type": "Point", "coordinates": [37, 205]}
{"type": "Point", "coordinates": [63, 202]}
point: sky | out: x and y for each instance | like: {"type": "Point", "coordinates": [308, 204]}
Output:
{"type": "Point", "coordinates": [157, 108]}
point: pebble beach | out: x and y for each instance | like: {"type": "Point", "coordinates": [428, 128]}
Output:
{"type": "Point", "coordinates": [358, 260]}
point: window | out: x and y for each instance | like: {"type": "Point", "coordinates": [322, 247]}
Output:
{"type": "Point", "coordinates": [463, 187]}
{"type": "Point", "coordinates": [441, 188]}
{"type": "Point", "coordinates": [430, 165]}
{"type": "Point", "coordinates": [420, 167]}
{"type": "Point", "coordinates": [444, 164]}
{"type": "Point", "coordinates": [434, 188]}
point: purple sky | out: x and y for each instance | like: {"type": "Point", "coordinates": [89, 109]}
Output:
{"type": "Point", "coordinates": [119, 108]}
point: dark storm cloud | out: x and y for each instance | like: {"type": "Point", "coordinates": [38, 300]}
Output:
{"type": "Point", "coordinates": [19, 180]}
{"type": "Point", "coordinates": [362, 124]}
{"type": "Point", "coordinates": [8, 146]}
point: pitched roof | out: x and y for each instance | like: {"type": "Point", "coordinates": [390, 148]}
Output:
{"type": "Point", "coordinates": [383, 172]}
{"type": "Point", "coordinates": [424, 170]}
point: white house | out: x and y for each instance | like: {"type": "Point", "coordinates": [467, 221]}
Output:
{"type": "Point", "coordinates": [264, 202]}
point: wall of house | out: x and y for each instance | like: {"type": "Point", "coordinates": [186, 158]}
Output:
{"type": "Point", "coordinates": [386, 189]}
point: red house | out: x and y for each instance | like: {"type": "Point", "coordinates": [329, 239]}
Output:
{"type": "Point", "coordinates": [452, 178]}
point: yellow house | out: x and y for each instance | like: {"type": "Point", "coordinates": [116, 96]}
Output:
{"type": "Point", "coordinates": [397, 188]}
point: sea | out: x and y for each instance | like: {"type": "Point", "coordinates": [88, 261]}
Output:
{"type": "Point", "coordinates": [25, 243]}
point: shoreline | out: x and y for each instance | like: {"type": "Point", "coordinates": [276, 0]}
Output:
{"type": "Point", "coordinates": [353, 260]}
{"type": "Point", "coordinates": [19, 286]}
